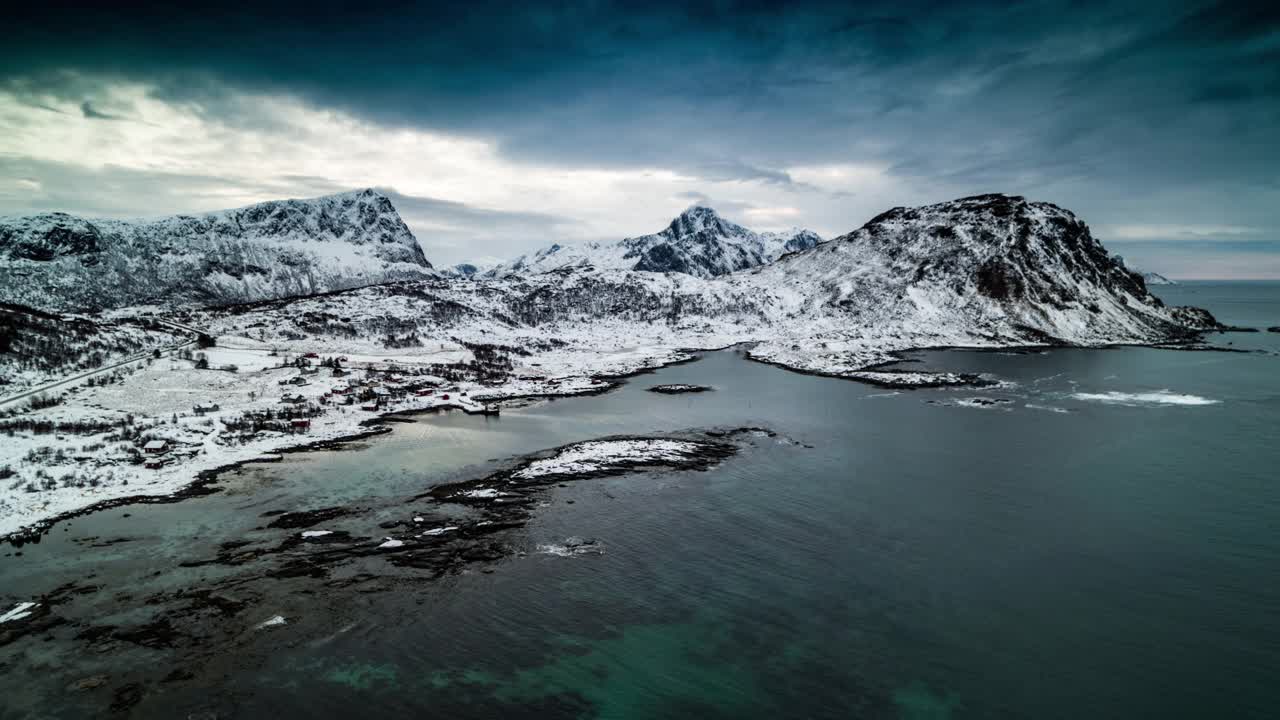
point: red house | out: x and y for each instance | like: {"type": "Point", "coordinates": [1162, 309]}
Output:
{"type": "Point", "coordinates": [300, 424]}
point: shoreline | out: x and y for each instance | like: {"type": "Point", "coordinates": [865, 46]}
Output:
{"type": "Point", "coordinates": [200, 483]}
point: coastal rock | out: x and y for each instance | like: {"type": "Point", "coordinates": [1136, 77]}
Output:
{"type": "Point", "coordinates": [679, 388]}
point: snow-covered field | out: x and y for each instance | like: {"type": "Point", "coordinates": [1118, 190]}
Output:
{"type": "Point", "coordinates": [51, 473]}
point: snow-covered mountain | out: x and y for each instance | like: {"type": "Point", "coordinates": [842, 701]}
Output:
{"type": "Point", "coordinates": [699, 242]}
{"type": "Point", "coordinates": [466, 271]}
{"type": "Point", "coordinates": [984, 271]}
{"type": "Point", "coordinates": [56, 261]}
{"type": "Point", "coordinates": [989, 266]}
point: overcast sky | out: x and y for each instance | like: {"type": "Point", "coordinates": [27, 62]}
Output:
{"type": "Point", "coordinates": [501, 129]}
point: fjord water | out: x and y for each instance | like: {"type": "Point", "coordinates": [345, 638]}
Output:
{"type": "Point", "coordinates": [1105, 543]}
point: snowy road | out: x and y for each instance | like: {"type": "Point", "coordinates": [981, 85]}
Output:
{"type": "Point", "coordinates": [67, 381]}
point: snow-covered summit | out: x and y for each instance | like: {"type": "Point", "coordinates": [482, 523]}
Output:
{"type": "Point", "coordinates": [271, 249]}
{"type": "Point", "coordinates": [697, 242]}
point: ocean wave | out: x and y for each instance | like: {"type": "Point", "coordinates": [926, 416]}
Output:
{"type": "Point", "coordinates": [1158, 397]}
{"type": "Point", "coordinates": [1047, 408]}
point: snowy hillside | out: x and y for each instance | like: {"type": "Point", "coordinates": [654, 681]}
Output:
{"type": "Point", "coordinates": [699, 242]}
{"type": "Point", "coordinates": [986, 271]}
{"type": "Point", "coordinates": [57, 261]}
{"type": "Point", "coordinates": [991, 268]}
{"type": "Point", "coordinates": [38, 347]}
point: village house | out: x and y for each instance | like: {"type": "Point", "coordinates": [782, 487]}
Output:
{"type": "Point", "coordinates": [154, 463]}
{"type": "Point", "coordinates": [155, 447]}
{"type": "Point", "coordinates": [202, 408]}
{"type": "Point", "coordinates": [300, 424]}
{"type": "Point", "coordinates": [292, 399]}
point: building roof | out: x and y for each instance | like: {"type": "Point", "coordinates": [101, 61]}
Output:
{"type": "Point", "coordinates": [155, 445]}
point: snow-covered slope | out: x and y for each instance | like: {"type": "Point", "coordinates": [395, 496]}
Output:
{"type": "Point", "coordinates": [699, 242]}
{"type": "Point", "coordinates": [275, 249]}
{"type": "Point", "coordinates": [986, 268]}
{"type": "Point", "coordinates": [980, 272]}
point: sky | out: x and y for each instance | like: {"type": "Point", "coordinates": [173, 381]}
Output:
{"type": "Point", "coordinates": [501, 128]}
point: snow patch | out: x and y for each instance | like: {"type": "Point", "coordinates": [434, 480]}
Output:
{"type": "Point", "coordinates": [19, 611]}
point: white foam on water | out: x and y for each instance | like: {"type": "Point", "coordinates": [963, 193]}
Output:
{"type": "Point", "coordinates": [391, 543]}
{"type": "Point", "coordinates": [1047, 408]}
{"type": "Point", "coordinates": [316, 533]}
{"type": "Point", "coordinates": [275, 621]}
{"type": "Point", "coordinates": [1158, 397]}
{"type": "Point", "coordinates": [557, 550]}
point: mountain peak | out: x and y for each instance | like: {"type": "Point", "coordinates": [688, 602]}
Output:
{"type": "Point", "coordinates": [695, 211]}
{"type": "Point", "coordinates": [697, 218]}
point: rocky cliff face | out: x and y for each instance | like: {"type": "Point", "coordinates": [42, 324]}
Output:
{"type": "Point", "coordinates": [57, 261]}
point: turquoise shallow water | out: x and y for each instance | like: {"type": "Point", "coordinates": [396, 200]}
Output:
{"type": "Point", "coordinates": [1103, 543]}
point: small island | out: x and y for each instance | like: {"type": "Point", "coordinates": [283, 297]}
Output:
{"type": "Point", "coordinates": [679, 389]}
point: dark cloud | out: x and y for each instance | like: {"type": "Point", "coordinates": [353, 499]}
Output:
{"type": "Point", "coordinates": [1098, 106]}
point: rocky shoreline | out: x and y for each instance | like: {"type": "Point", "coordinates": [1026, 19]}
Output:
{"type": "Point", "coordinates": [444, 530]}
{"type": "Point", "coordinates": [880, 374]}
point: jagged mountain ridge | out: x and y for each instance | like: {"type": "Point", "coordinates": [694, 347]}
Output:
{"type": "Point", "coordinates": [986, 271]}
{"type": "Point", "coordinates": [697, 242]}
{"type": "Point", "coordinates": [57, 261]}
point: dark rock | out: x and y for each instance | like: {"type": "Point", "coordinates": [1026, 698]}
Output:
{"type": "Point", "coordinates": [679, 388]}
{"type": "Point", "coordinates": [308, 518]}
{"type": "Point", "coordinates": [125, 697]}
{"type": "Point", "coordinates": [90, 683]}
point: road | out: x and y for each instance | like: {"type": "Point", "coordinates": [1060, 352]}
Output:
{"type": "Point", "coordinates": [73, 379]}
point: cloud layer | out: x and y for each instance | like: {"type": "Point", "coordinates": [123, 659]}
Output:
{"type": "Point", "coordinates": [601, 119]}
